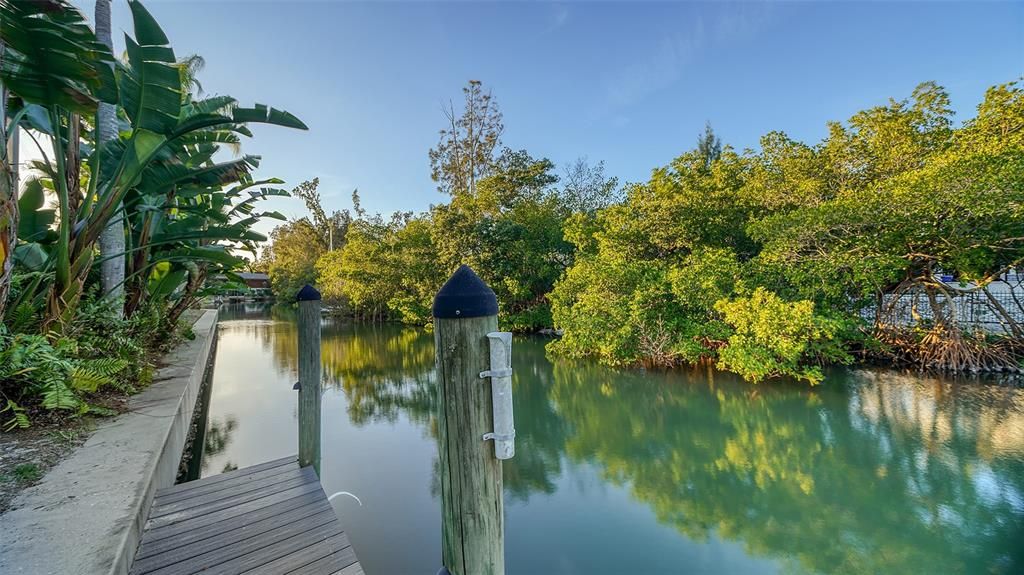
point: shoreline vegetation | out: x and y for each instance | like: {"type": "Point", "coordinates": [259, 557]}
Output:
{"type": "Point", "coordinates": [868, 246]}
{"type": "Point", "coordinates": [770, 262]}
{"type": "Point", "coordinates": [131, 148]}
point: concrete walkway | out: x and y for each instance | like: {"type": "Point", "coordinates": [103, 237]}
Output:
{"type": "Point", "coordinates": [85, 517]}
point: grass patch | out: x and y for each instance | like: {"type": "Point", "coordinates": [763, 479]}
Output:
{"type": "Point", "coordinates": [23, 473]}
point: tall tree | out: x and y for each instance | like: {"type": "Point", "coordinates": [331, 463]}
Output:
{"type": "Point", "coordinates": [465, 152]}
{"type": "Point", "coordinates": [587, 189]}
{"type": "Point", "coordinates": [331, 228]}
{"type": "Point", "coordinates": [111, 241]}
{"type": "Point", "coordinates": [709, 145]}
{"type": "Point", "coordinates": [291, 257]}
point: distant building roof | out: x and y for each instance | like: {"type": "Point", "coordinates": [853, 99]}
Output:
{"type": "Point", "coordinates": [253, 276]}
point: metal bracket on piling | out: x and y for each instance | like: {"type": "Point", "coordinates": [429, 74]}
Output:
{"type": "Point", "coordinates": [503, 372]}
{"type": "Point", "coordinates": [504, 433]}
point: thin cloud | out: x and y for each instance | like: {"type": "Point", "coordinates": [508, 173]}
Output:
{"type": "Point", "coordinates": [557, 17]}
{"type": "Point", "coordinates": [666, 64]}
{"type": "Point", "coordinates": [641, 78]}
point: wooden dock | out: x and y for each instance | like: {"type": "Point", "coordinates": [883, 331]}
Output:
{"type": "Point", "coordinates": [272, 518]}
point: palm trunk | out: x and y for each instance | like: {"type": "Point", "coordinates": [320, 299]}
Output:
{"type": "Point", "coordinates": [8, 206]}
{"type": "Point", "coordinates": [112, 239]}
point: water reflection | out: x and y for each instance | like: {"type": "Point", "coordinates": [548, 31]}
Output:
{"type": "Point", "coordinates": [217, 440]}
{"type": "Point", "coordinates": [872, 472]}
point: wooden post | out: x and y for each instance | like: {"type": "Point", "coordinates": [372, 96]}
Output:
{"type": "Point", "coordinates": [472, 508]}
{"type": "Point", "coordinates": [309, 377]}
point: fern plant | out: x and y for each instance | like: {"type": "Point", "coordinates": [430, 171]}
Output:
{"type": "Point", "coordinates": [18, 417]}
{"type": "Point", "coordinates": [31, 366]}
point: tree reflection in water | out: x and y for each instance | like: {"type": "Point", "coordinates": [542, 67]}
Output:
{"type": "Point", "coordinates": [871, 472]}
{"type": "Point", "coordinates": [217, 439]}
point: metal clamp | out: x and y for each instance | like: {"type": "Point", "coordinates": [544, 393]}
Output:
{"type": "Point", "coordinates": [500, 437]}
{"type": "Point", "coordinates": [503, 372]}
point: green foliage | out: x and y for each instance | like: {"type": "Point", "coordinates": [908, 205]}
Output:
{"type": "Point", "coordinates": [110, 341]}
{"type": "Point", "coordinates": [509, 230]}
{"type": "Point", "coordinates": [33, 366]}
{"type": "Point", "coordinates": [761, 261]}
{"type": "Point", "coordinates": [181, 218]}
{"type": "Point", "coordinates": [465, 151]}
{"type": "Point", "coordinates": [291, 257]}
{"type": "Point", "coordinates": [185, 213]}
{"type": "Point", "coordinates": [26, 472]}
{"type": "Point", "coordinates": [885, 203]}
{"type": "Point", "coordinates": [52, 57]}
{"type": "Point", "coordinates": [291, 261]}
{"type": "Point", "coordinates": [648, 271]}
{"type": "Point", "coordinates": [99, 351]}
{"type": "Point", "coordinates": [386, 269]}
{"type": "Point", "coordinates": [772, 337]}
{"type": "Point", "coordinates": [16, 416]}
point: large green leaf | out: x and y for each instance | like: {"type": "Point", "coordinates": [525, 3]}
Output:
{"type": "Point", "coordinates": [147, 31]}
{"type": "Point", "coordinates": [246, 207]}
{"type": "Point", "coordinates": [266, 115]}
{"type": "Point", "coordinates": [212, 105]}
{"type": "Point", "coordinates": [151, 91]}
{"type": "Point", "coordinates": [31, 256]}
{"type": "Point", "coordinates": [162, 176]}
{"type": "Point", "coordinates": [34, 222]}
{"type": "Point", "coordinates": [181, 231]}
{"type": "Point", "coordinates": [51, 56]}
{"type": "Point", "coordinates": [164, 279]}
{"type": "Point", "coordinates": [211, 137]}
{"type": "Point", "coordinates": [35, 117]}
{"type": "Point", "coordinates": [236, 119]}
{"type": "Point", "coordinates": [242, 186]}
{"type": "Point", "coordinates": [143, 147]}
{"type": "Point", "coordinates": [213, 254]}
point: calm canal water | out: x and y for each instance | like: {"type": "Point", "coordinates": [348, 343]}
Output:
{"type": "Point", "coordinates": [632, 472]}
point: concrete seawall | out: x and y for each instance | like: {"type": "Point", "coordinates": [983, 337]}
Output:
{"type": "Point", "coordinates": [86, 516]}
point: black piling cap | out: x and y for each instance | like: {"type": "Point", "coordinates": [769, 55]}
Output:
{"type": "Point", "coordinates": [308, 293]}
{"type": "Point", "coordinates": [465, 295]}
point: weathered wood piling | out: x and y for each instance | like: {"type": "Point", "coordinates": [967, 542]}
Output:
{"type": "Point", "coordinates": [309, 377]}
{"type": "Point", "coordinates": [472, 517]}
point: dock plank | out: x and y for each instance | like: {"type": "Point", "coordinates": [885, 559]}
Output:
{"type": "Point", "coordinates": [309, 558]}
{"type": "Point", "coordinates": [181, 552]}
{"type": "Point", "coordinates": [329, 564]}
{"type": "Point", "coordinates": [174, 529]}
{"type": "Point", "coordinates": [305, 505]}
{"type": "Point", "coordinates": [237, 493]}
{"type": "Point", "coordinates": [266, 519]}
{"type": "Point", "coordinates": [228, 475]}
{"type": "Point", "coordinates": [222, 485]}
{"type": "Point", "coordinates": [177, 515]}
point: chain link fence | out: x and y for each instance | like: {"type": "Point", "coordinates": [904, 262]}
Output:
{"type": "Point", "coordinates": [970, 310]}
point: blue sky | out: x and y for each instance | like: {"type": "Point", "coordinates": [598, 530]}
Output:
{"type": "Point", "coordinates": [628, 83]}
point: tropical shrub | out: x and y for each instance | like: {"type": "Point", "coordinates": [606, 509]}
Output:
{"type": "Point", "coordinates": [34, 366]}
{"type": "Point", "coordinates": [882, 207]}
{"type": "Point", "coordinates": [771, 337]}
{"type": "Point", "coordinates": [184, 214]}
{"type": "Point", "coordinates": [160, 169]}
{"type": "Point", "coordinates": [99, 351]}
{"type": "Point", "coordinates": [762, 261]}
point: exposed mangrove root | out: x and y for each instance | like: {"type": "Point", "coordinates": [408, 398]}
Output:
{"type": "Point", "coordinates": [945, 348]}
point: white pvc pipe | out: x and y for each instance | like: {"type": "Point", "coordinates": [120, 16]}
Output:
{"type": "Point", "coordinates": [501, 394]}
